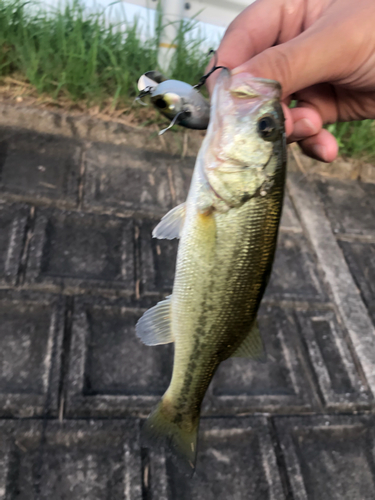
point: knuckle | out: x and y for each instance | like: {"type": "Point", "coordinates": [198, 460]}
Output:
{"type": "Point", "coordinates": [281, 66]}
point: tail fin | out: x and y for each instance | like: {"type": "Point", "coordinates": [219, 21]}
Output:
{"type": "Point", "coordinates": [158, 430]}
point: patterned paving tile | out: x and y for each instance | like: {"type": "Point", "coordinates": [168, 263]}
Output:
{"type": "Point", "coordinates": [330, 457]}
{"type": "Point", "coordinates": [31, 330]}
{"type": "Point", "coordinates": [81, 250]}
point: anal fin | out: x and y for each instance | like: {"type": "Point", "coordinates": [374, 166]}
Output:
{"type": "Point", "coordinates": [154, 327]}
{"type": "Point", "coordinates": [171, 224]}
{"type": "Point", "coordinates": [252, 346]}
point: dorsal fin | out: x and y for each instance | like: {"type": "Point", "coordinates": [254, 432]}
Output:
{"type": "Point", "coordinates": [154, 327]}
{"type": "Point", "coordinates": [171, 224]}
{"type": "Point", "coordinates": [252, 346]}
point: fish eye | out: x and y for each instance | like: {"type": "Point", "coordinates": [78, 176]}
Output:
{"type": "Point", "coordinates": [267, 127]}
{"type": "Point", "coordinates": [160, 103]}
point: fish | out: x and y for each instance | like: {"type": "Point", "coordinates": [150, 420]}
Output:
{"type": "Point", "coordinates": [228, 229]}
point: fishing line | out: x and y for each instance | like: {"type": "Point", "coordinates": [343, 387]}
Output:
{"type": "Point", "coordinates": [202, 81]}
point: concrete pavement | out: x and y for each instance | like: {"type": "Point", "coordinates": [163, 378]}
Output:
{"type": "Point", "coordinates": [78, 267]}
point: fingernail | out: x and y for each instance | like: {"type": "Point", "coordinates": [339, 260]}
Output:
{"type": "Point", "coordinates": [319, 151]}
{"type": "Point", "coordinates": [304, 128]}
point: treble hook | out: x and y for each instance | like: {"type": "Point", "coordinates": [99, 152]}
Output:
{"type": "Point", "coordinates": [138, 99]}
{"type": "Point", "coordinates": [173, 122]}
{"type": "Point", "coordinates": [142, 93]}
{"type": "Point", "coordinates": [202, 81]}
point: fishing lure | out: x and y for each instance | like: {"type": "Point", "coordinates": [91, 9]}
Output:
{"type": "Point", "coordinates": [179, 101]}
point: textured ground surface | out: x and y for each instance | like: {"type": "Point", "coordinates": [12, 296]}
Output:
{"type": "Point", "coordinates": [78, 267]}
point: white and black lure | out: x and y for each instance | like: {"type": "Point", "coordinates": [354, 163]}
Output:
{"type": "Point", "coordinates": [182, 103]}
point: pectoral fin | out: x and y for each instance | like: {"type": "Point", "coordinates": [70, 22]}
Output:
{"type": "Point", "coordinates": [252, 346]}
{"type": "Point", "coordinates": [154, 327]}
{"type": "Point", "coordinates": [171, 224]}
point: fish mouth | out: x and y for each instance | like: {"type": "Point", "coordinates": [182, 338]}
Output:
{"type": "Point", "coordinates": [267, 81]}
{"type": "Point", "coordinates": [269, 158]}
{"type": "Point", "coordinates": [239, 167]}
{"type": "Point", "coordinates": [248, 77]}
{"type": "Point", "coordinates": [246, 86]}
{"type": "Point", "coordinates": [212, 189]}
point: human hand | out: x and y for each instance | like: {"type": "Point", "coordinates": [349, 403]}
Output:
{"type": "Point", "coordinates": [323, 54]}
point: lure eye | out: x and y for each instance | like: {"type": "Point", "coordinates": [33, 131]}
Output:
{"type": "Point", "coordinates": [160, 103]}
{"type": "Point", "coordinates": [267, 127]}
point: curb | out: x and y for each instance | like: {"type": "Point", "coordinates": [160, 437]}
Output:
{"type": "Point", "coordinates": [87, 128]}
{"type": "Point", "coordinates": [182, 143]}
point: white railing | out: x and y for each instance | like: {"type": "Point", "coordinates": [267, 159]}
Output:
{"type": "Point", "coordinates": [218, 12]}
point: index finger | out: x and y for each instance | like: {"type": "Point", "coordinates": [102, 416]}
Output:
{"type": "Point", "coordinates": [261, 25]}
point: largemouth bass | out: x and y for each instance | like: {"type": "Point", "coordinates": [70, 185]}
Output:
{"type": "Point", "coordinates": [227, 229]}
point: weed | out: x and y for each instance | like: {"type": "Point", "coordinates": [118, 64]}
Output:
{"type": "Point", "coordinates": [82, 55]}
{"type": "Point", "coordinates": [355, 139]}
{"type": "Point", "coordinates": [76, 56]}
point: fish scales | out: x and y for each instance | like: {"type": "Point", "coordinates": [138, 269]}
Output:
{"type": "Point", "coordinates": [228, 302]}
{"type": "Point", "coordinates": [228, 230]}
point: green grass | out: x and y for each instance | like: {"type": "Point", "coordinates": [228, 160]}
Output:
{"type": "Point", "coordinates": [84, 56]}
{"type": "Point", "coordinates": [355, 139]}
{"type": "Point", "coordinates": [77, 56]}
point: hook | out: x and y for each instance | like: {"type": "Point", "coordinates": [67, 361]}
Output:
{"type": "Point", "coordinates": [202, 81]}
{"type": "Point", "coordinates": [138, 99]}
{"type": "Point", "coordinates": [173, 122]}
{"type": "Point", "coordinates": [143, 93]}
